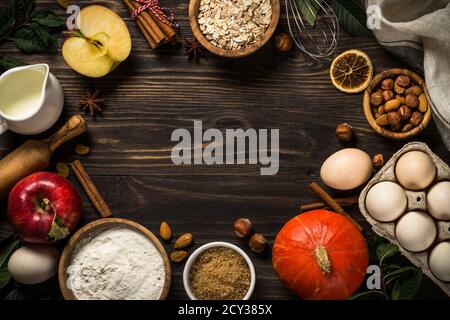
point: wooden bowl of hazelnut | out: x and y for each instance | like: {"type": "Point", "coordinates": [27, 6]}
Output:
{"type": "Point", "coordinates": [396, 104]}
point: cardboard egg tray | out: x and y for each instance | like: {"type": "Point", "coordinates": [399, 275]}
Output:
{"type": "Point", "coordinates": [416, 201]}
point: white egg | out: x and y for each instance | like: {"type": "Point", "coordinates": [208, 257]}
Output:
{"type": "Point", "coordinates": [416, 231]}
{"type": "Point", "coordinates": [33, 264]}
{"type": "Point", "coordinates": [386, 201]}
{"type": "Point", "coordinates": [415, 170]}
{"type": "Point", "coordinates": [346, 169]}
{"type": "Point", "coordinates": [438, 200]}
{"type": "Point", "coordinates": [440, 261]}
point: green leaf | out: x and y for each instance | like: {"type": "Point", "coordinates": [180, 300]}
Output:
{"type": "Point", "coordinates": [41, 32]}
{"type": "Point", "coordinates": [309, 10]}
{"type": "Point", "coordinates": [399, 271]}
{"type": "Point", "coordinates": [8, 250]}
{"type": "Point", "coordinates": [385, 251]}
{"type": "Point", "coordinates": [351, 18]}
{"type": "Point", "coordinates": [409, 284]}
{"type": "Point", "coordinates": [5, 277]}
{"type": "Point", "coordinates": [58, 231]}
{"type": "Point", "coordinates": [23, 10]}
{"type": "Point", "coordinates": [395, 294]}
{"type": "Point", "coordinates": [7, 20]}
{"type": "Point", "coordinates": [15, 294]}
{"type": "Point", "coordinates": [48, 19]}
{"type": "Point", "coordinates": [28, 41]}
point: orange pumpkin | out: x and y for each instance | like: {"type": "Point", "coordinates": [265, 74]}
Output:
{"type": "Point", "coordinates": [320, 255]}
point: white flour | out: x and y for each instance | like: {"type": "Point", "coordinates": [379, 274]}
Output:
{"type": "Point", "coordinates": [116, 263]}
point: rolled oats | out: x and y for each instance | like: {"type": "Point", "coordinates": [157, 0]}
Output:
{"type": "Point", "coordinates": [234, 24]}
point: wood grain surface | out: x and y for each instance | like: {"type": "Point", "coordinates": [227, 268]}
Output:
{"type": "Point", "coordinates": [155, 92]}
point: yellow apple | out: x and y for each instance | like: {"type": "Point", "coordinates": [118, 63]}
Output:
{"type": "Point", "coordinates": [101, 43]}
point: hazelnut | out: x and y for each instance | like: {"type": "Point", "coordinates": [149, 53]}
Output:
{"type": "Point", "coordinates": [411, 101]}
{"type": "Point", "coordinates": [242, 228]}
{"type": "Point", "coordinates": [378, 161]}
{"type": "Point", "coordinates": [258, 243]}
{"type": "Point", "coordinates": [283, 42]}
{"type": "Point", "coordinates": [394, 118]}
{"type": "Point", "coordinates": [403, 80]}
{"type": "Point", "coordinates": [405, 112]}
{"type": "Point", "coordinates": [376, 98]}
{"type": "Point", "coordinates": [416, 118]}
{"type": "Point", "coordinates": [388, 95]}
{"type": "Point", "coordinates": [387, 84]}
{"type": "Point", "coordinates": [407, 127]}
{"type": "Point", "coordinates": [396, 127]}
{"type": "Point", "coordinates": [344, 132]}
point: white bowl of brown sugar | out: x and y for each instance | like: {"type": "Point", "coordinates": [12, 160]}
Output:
{"type": "Point", "coordinates": [219, 271]}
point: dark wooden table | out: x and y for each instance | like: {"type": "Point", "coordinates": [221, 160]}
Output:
{"type": "Point", "coordinates": [155, 92]}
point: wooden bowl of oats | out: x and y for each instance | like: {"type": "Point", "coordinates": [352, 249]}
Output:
{"type": "Point", "coordinates": [233, 29]}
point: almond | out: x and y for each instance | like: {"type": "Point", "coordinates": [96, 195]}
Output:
{"type": "Point", "coordinates": [183, 241]}
{"type": "Point", "coordinates": [423, 103]}
{"type": "Point", "coordinates": [178, 256]}
{"type": "Point", "coordinates": [165, 231]}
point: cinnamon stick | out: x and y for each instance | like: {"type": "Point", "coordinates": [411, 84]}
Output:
{"type": "Point", "coordinates": [91, 190]}
{"type": "Point", "coordinates": [331, 202]}
{"type": "Point", "coordinates": [343, 202]}
{"type": "Point", "coordinates": [167, 29]}
{"type": "Point", "coordinates": [147, 35]}
{"type": "Point", "coordinates": [151, 23]}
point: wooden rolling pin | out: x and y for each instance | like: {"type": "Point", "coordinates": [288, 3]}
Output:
{"type": "Point", "coordinates": [35, 155]}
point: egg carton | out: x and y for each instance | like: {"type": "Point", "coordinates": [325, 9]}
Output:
{"type": "Point", "coordinates": [416, 201]}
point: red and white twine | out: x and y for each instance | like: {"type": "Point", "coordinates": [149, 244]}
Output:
{"type": "Point", "coordinates": [157, 10]}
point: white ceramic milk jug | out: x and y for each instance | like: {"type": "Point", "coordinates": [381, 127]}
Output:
{"type": "Point", "coordinates": [31, 99]}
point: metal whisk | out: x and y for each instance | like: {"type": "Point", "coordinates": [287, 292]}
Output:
{"type": "Point", "coordinates": [318, 41]}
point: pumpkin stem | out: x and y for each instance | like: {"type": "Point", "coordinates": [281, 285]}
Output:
{"type": "Point", "coordinates": [322, 259]}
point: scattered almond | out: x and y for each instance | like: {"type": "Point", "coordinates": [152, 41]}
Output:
{"type": "Point", "coordinates": [178, 256]}
{"type": "Point", "coordinates": [165, 231]}
{"type": "Point", "coordinates": [63, 3]}
{"type": "Point", "coordinates": [63, 169]}
{"type": "Point", "coordinates": [82, 150]}
{"type": "Point", "coordinates": [183, 241]}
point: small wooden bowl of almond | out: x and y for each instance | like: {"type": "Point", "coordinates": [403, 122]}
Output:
{"type": "Point", "coordinates": [396, 104]}
{"type": "Point", "coordinates": [233, 29]}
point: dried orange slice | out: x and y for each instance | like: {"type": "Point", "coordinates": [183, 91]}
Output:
{"type": "Point", "coordinates": [351, 71]}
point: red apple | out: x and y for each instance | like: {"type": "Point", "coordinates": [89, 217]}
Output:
{"type": "Point", "coordinates": [44, 207]}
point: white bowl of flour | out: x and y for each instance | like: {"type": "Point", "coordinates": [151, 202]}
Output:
{"type": "Point", "coordinates": [114, 259]}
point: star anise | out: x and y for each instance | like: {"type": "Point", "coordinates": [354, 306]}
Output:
{"type": "Point", "coordinates": [194, 49]}
{"type": "Point", "coordinates": [91, 102]}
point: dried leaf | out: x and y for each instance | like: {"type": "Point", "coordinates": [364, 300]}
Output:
{"type": "Point", "coordinates": [63, 3]}
{"type": "Point", "coordinates": [82, 150]}
{"type": "Point", "coordinates": [63, 170]}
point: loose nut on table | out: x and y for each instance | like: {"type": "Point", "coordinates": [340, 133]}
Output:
{"type": "Point", "coordinates": [258, 243]}
{"type": "Point", "coordinates": [178, 256]}
{"type": "Point", "coordinates": [242, 228]}
{"type": "Point", "coordinates": [387, 84]}
{"type": "Point", "coordinates": [411, 101]}
{"type": "Point", "coordinates": [344, 132]}
{"type": "Point", "coordinates": [378, 161]}
{"type": "Point", "coordinates": [165, 231]}
{"type": "Point", "coordinates": [283, 42]}
{"type": "Point", "coordinates": [403, 80]}
{"type": "Point", "coordinates": [183, 241]}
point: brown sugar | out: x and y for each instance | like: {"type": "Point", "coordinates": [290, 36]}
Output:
{"type": "Point", "coordinates": [220, 273]}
